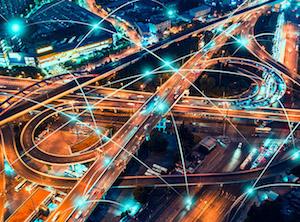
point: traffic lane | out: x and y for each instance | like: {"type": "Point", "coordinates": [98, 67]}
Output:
{"type": "Point", "coordinates": [24, 170]}
{"type": "Point", "coordinates": [30, 206]}
{"type": "Point", "coordinates": [207, 178]}
{"type": "Point", "coordinates": [95, 173]}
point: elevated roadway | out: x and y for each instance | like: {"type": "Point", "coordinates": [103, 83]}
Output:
{"type": "Point", "coordinates": [205, 178]}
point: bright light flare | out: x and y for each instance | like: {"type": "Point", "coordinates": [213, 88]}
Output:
{"type": "Point", "coordinates": [96, 26]}
{"type": "Point", "coordinates": [162, 107]}
{"type": "Point", "coordinates": [147, 73]}
{"type": "Point", "coordinates": [250, 190]}
{"type": "Point", "coordinates": [254, 150]}
{"type": "Point", "coordinates": [90, 107]}
{"type": "Point", "coordinates": [8, 169]}
{"type": "Point", "coordinates": [171, 13]}
{"type": "Point", "coordinates": [15, 27]}
{"type": "Point", "coordinates": [244, 42]}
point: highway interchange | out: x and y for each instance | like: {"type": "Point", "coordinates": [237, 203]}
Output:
{"type": "Point", "coordinates": [139, 115]}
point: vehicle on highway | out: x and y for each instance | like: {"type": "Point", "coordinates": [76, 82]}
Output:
{"type": "Point", "coordinates": [240, 145]}
{"type": "Point", "coordinates": [78, 214]}
{"type": "Point", "coordinates": [262, 130]}
{"type": "Point", "coordinates": [73, 174]}
{"type": "Point", "coordinates": [56, 216]}
{"type": "Point", "coordinates": [163, 169]}
{"type": "Point", "coordinates": [20, 185]}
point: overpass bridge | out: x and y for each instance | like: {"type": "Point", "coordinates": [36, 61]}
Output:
{"type": "Point", "coordinates": [196, 179]}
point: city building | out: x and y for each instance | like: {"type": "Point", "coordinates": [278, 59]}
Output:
{"type": "Point", "coordinates": [208, 143]}
{"type": "Point", "coordinates": [159, 24]}
{"type": "Point", "coordinates": [200, 11]}
{"type": "Point", "coordinates": [9, 58]}
{"type": "Point", "coordinates": [15, 8]}
{"type": "Point", "coordinates": [69, 31]}
{"type": "Point", "coordinates": [147, 36]}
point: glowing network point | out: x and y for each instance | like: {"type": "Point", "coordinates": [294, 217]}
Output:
{"type": "Point", "coordinates": [8, 169]}
{"type": "Point", "coordinates": [131, 206]}
{"type": "Point", "coordinates": [171, 12]}
{"type": "Point", "coordinates": [176, 70]}
{"type": "Point", "coordinates": [243, 41]}
{"type": "Point", "coordinates": [74, 118]}
{"type": "Point", "coordinates": [98, 131]}
{"type": "Point", "coordinates": [250, 190]}
{"type": "Point", "coordinates": [90, 107]}
{"type": "Point", "coordinates": [167, 63]}
{"type": "Point", "coordinates": [15, 27]}
{"type": "Point", "coordinates": [162, 107]}
{"type": "Point", "coordinates": [81, 202]}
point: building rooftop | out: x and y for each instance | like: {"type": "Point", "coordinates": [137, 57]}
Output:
{"type": "Point", "coordinates": [55, 24]}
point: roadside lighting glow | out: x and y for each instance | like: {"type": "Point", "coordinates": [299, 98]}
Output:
{"type": "Point", "coordinates": [106, 161]}
{"type": "Point", "coordinates": [96, 26]}
{"type": "Point", "coordinates": [188, 203]}
{"type": "Point", "coordinates": [15, 28]}
{"type": "Point", "coordinates": [296, 155]}
{"type": "Point", "coordinates": [147, 73]}
{"type": "Point", "coordinates": [162, 107]}
{"type": "Point", "coordinates": [254, 150]}
{"type": "Point", "coordinates": [171, 12]}
{"type": "Point", "coordinates": [220, 28]}
{"type": "Point", "coordinates": [8, 169]}
{"type": "Point", "coordinates": [131, 206]}
{"type": "Point", "coordinates": [81, 202]}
